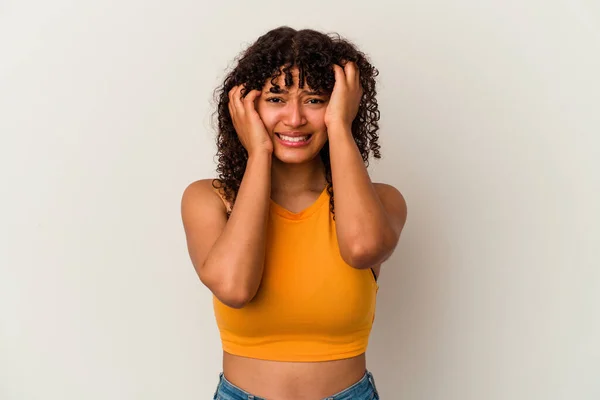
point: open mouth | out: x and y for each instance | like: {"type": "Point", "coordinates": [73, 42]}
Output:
{"type": "Point", "coordinates": [294, 140]}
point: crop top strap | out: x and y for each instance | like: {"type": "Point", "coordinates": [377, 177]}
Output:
{"type": "Point", "coordinates": [221, 194]}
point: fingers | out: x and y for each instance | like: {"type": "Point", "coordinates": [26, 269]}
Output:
{"type": "Point", "coordinates": [348, 74]}
{"type": "Point", "coordinates": [347, 78]}
{"type": "Point", "coordinates": [350, 71]}
{"type": "Point", "coordinates": [353, 73]}
{"type": "Point", "coordinates": [340, 75]}
{"type": "Point", "coordinates": [237, 104]}
{"type": "Point", "coordinates": [250, 99]}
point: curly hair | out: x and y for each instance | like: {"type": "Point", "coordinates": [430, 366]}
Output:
{"type": "Point", "coordinates": [314, 54]}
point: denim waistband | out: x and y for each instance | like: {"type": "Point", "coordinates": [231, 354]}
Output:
{"type": "Point", "coordinates": [364, 389]}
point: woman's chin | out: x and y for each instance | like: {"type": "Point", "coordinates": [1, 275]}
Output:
{"type": "Point", "coordinates": [294, 156]}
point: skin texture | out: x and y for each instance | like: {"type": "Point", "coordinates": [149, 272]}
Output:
{"type": "Point", "coordinates": [227, 244]}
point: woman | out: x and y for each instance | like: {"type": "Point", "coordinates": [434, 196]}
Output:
{"type": "Point", "coordinates": [293, 272]}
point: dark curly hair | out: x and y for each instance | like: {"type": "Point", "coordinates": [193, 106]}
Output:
{"type": "Point", "coordinates": [277, 52]}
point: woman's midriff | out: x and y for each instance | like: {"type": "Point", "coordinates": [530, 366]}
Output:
{"type": "Point", "coordinates": [292, 380]}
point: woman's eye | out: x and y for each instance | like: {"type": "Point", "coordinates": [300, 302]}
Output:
{"type": "Point", "coordinates": [274, 100]}
{"type": "Point", "coordinates": [315, 101]}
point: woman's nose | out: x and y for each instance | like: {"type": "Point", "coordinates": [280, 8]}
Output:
{"type": "Point", "coordinates": [294, 115]}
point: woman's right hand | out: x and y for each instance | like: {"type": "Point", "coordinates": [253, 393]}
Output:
{"type": "Point", "coordinates": [247, 123]}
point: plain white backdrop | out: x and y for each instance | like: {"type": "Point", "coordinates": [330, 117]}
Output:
{"type": "Point", "coordinates": [490, 117]}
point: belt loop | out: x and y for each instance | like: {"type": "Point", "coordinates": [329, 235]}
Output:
{"type": "Point", "coordinates": [372, 380]}
{"type": "Point", "coordinates": [250, 397]}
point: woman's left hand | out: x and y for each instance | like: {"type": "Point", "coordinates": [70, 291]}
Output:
{"type": "Point", "coordinates": [345, 98]}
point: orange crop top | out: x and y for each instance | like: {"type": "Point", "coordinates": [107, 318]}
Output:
{"type": "Point", "coordinates": [311, 305]}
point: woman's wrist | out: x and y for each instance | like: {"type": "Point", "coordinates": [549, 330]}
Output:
{"type": "Point", "coordinates": [260, 153]}
{"type": "Point", "coordinates": [339, 129]}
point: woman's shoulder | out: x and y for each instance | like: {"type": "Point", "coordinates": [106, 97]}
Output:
{"type": "Point", "coordinates": [206, 192]}
{"type": "Point", "coordinates": [201, 187]}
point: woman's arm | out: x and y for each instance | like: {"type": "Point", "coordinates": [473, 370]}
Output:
{"type": "Point", "coordinates": [228, 255]}
{"type": "Point", "coordinates": [369, 217]}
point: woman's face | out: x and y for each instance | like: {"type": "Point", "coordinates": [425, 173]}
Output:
{"type": "Point", "coordinates": [295, 120]}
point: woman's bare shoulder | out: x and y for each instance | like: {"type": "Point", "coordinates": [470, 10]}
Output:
{"type": "Point", "coordinates": [205, 192]}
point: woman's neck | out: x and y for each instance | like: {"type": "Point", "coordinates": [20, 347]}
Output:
{"type": "Point", "coordinates": [297, 178]}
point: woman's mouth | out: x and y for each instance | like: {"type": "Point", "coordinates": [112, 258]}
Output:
{"type": "Point", "coordinates": [295, 140]}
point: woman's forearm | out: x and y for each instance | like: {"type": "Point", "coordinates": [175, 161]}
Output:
{"type": "Point", "coordinates": [365, 234]}
{"type": "Point", "coordinates": [237, 258]}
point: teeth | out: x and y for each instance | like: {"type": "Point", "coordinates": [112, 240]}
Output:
{"type": "Point", "coordinates": [294, 139]}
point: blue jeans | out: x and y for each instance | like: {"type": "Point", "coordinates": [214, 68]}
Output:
{"type": "Point", "coordinates": [364, 389]}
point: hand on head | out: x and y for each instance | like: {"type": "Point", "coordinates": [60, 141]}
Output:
{"type": "Point", "coordinates": [345, 98]}
{"type": "Point", "coordinates": [247, 123]}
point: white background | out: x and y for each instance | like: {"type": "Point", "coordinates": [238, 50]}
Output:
{"type": "Point", "coordinates": [490, 124]}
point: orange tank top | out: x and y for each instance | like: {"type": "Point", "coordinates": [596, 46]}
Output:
{"type": "Point", "coordinates": [311, 305]}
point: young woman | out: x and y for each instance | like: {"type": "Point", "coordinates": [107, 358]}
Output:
{"type": "Point", "coordinates": [291, 236]}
